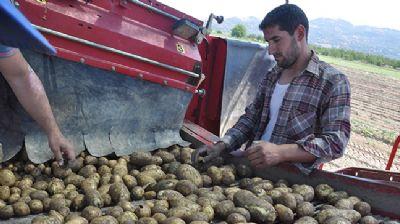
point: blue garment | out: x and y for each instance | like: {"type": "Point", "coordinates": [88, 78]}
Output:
{"type": "Point", "coordinates": [17, 31]}
{"type": "Point", "coordinates": [6, 51]}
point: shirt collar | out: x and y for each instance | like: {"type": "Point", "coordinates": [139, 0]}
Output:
{"type": "Point", "coordinates": [313, 64]}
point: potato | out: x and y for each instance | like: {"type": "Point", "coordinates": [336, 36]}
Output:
{"type": "Point", "coordinates": [55, 186]}
{"type": "Point", "coordinates": [143, 211]}
{"type": "Point", "coordinates": [235, 218]}
{"type": "Point", "coordinates": [368, 220]}
{"type": "Point", "coordinates": [306, 220]}
{"type": "Point", "coordinates": [261, 214]}
{"type": "Point", "coordinates": [91, 212]}
{"type": "Point", "coordinates": [129, 181]}
{"type": "Point", "coordinates": [78, 202]}
{"type": "Point", "coordinates": [21, 209]}
{"type": "Point", "coordinates": [186, 155]}
{"type": "Point", "coordinates": [127, 206]}
{"type": "Point", "coordinates": [16, 190]}
{"type": "Point", "coordinates": [179, 212]}
{"type": "Point", "coordinates": [167, 184]}
{"type": "Point", "coordinates": [306, 191]}
{"type": "Point", "coordinates": [160, 206]}
{"type": "Point", "coordinates": [344, 204]}
{"type": "Point", "coordinates": [107, 219]}
{"type": "Point", "coordinates": [183, 202]}
{"type": "Point", "coordinates": [185, 187]}
{"type": "Point", "coordinates": [169, 195]}
{"type": "Point", "coordinates": [120, 169]}
{"type": "Point", "coordinates": [363, 208]}
{"type": "Point", "coordinates": [91, 160]}
{"type": "Point", "coordinates": [337, 220]}
{"type": "Point", "coordinates": [207, 181]}
{"type": "Point", "coordinates": [40, 185]}
{"type": "Point", "coordinates": [127, 217]}
{"type": "Point", "coordinates": [2, 203]}
{"type": "Point", "coordinates": [288, 200]}
{"type": "Point", "coordinates": [36, 206]}
{"type": "Point", "coordinates": [115, 211]}
{"type": "Point", "coordinates": [137, 193]}
{"type": "Point", "coordinates": [13, 198]}
{"type": "Point", "coordinates": [173, 220]}
{"type": "Point", "coordinates": [144, 158]}
{"type": "Point", "coordinates": [228, 177]}
{"type": "Point", "coordinates": [57, 203]}
{"type": "Point", "coordinates": [159, 217]}
{"type": "Point", "coordinates": [6, 212]}
{"type": "Point", "coordinates": [215, 195]}
{"type": "Point", "coordinates": [351, 215]}
{"type": "Point", "coordinates": [119, 192]}
{"type": "Point", "coordinates": [305, 209]}
{"type": "Point", "coordinates": [4, 193]}
{"type": "Point", "coordinates": [87, 171]}
{"type": "Point", "coordinates": [145, 180]}
{"type": "Point", "coordinates": [77, 220]}
{"type": "Point", "coordinates": [74, 179]}
{"type": "Point", "coordinates": [244, 198]}
{"type": "Point", "coordinates": [299, 198]}
{"type": "Point", "coordinates": [209, 211]}
{"type": "Point", "coordinates": [243, 212]}
{"type": "Point", "coordinates": [322, 191]}
{"type": "Point", "coordinates": [7, 177]}
{"type": "Point", "coordinates": [147, 220]}
{"type": "Point", "coordinates": [166, 157]}
{"type": "Point", "coordinates": [93, 198]}
{"type": "Point", "coordinates": [285, 214]}
{"type": "Point", "coordinates": [76, 164]}
{"type": "Point", "coordinates": [336, 196]}
{"type": "Point", "coordinates": [197, 216]}
{"type": "Point", "coordinates": [148, 195]}
{"type": "Point", "coordinates": [224, 208]}
{"type": "Point", "coordinates": [216, 174]}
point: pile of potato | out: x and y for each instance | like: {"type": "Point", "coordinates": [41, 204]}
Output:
{"type": "Point", "coordinates": [163, 187]}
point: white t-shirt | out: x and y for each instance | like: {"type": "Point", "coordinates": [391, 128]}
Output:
{"type": "Point", "coordinates": [275, 105]}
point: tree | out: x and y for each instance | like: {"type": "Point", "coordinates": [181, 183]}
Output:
{"type": "Point", "coordinates": [238, 31]}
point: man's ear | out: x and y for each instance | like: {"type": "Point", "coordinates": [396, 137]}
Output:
{"type": "Point", "coordinates": [300, 32]}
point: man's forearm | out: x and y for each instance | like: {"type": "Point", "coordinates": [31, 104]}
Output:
{"type": "Point", "coordinates": [30, 92]}
{"type": "Point", "coordinates": [295, 154]}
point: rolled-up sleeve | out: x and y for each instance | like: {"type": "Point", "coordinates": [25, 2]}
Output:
{"type": "Point", "coordinates": [6, 51]}
{"type": "Point", "coordinates": [335, 127]}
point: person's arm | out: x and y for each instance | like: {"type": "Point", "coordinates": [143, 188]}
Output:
{"type": "Point", "coordinates": [30, 92]}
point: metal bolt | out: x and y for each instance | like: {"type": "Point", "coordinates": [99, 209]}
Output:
{"type": "Point", "coordinates": [16, 4]}
{"type": "Point", "coordinates": [82, 60]}
{"type": "Point", "coordinates": [165, 82]}
{"type": "Point", "coordinates": [113, 68]}
{"type": "Point", "coordinates": [140, 75]}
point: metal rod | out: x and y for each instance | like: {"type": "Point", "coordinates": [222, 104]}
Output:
{"type": "Point", "coordinates": [154, 9]}
{"type": "Point", "coordinates": [113, 50]}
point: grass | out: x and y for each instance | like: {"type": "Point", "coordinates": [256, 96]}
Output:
{"type": "Point", "coordinates": [361, 66]}
{"type": "Point", "coordinates": [368, 130]}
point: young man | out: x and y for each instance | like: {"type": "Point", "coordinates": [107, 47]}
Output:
{"type": "Point", "coordinates": [301, 113]}
{"type": "Point", "coordinates": [31, 94]}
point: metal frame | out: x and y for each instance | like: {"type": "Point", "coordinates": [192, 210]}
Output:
{"type": "Point", "coordinates": [393, 153]}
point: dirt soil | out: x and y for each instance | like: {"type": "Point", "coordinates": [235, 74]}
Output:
{"type": "Point", "coordinates": [376, 104]}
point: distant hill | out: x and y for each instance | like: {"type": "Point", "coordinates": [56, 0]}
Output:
{"type": "Point", "coordinates": [335, 33]}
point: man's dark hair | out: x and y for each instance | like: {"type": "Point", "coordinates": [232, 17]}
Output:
{"type": "Point", "coordinates": [287, 17]}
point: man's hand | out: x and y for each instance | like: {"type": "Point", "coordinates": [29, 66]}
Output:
{"type": "Point", "coordinates": [61, 148]}
{"type": "Point", "coordinates": [209, 152]}
{"type": "Point", "coordinates": [263, 154]}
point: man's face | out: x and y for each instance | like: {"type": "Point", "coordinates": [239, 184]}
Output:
{"type": "Point", "coordinates": [282, 46]}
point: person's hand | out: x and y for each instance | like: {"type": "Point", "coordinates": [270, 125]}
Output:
{"type": "Point", "coordinates": [61, 148]}
{"type": "Point", "coordinates": [263, 154]}
{"type": "Point", "coordinates": [209, 152]}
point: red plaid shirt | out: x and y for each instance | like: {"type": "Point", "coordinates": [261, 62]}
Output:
{"type": "Point", "coordinates": [315, 113]}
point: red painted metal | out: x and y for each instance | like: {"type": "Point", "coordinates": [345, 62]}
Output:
{"type": "Point", "coordinates": [128, 27]}
{"type": "Point", "coordinates": [206, 111]}
{"type": "Point", "coordinates": [390, 178]}
{"type": "Point", "coordinates": [393, 153]}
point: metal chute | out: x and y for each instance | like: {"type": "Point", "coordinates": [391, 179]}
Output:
{"type": "Point", "coordinates": [102, 111]}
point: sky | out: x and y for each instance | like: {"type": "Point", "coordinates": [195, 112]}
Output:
{"type": "Point", "coordinates": [382, 13]}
